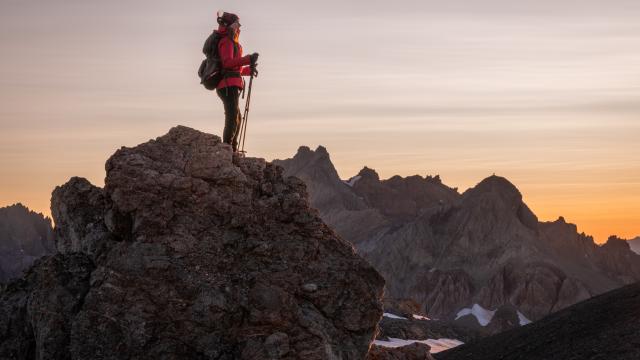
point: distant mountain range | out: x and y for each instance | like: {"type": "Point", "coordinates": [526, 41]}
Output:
{"type": "Point", "coordinates": [24, 237]}
{"type": "Point", "coordinates": [464, 256]}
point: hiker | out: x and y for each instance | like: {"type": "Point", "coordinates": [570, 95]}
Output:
{"type": "Point", "coordinates": [234, 66]}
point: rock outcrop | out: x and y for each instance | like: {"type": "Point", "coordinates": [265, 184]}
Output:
{"type": "Point", "coordinates": [78, 208]}
{"type": "Point", "coordinates": [25, 236]}
{"type": "Point", "coordinates": [449, 251]}
{"type": "Point", "coordinates": [191, 252]}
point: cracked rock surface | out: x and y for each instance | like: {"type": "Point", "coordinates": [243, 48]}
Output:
{"type": "Point", "coordinates": [191, 252]}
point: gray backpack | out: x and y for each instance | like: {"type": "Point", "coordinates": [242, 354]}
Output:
{"type": "Point", "coordinates": [210, 71]}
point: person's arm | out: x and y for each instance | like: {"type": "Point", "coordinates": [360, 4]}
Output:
{"type": "Point", "coordinates": [225, 51]}
{"type": "Point", "coordinates": [246, 71]}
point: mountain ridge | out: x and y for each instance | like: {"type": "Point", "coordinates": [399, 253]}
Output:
{"type": "Point", "coordinates": [449, 251]}
{"type": "Point", "coordinates": [25, 236]}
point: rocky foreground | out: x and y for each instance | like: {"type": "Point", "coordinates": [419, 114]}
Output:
{"type": "Point", "coordinates": [603, 327]}
{"type": "Point", "coordinates": [191, 253]}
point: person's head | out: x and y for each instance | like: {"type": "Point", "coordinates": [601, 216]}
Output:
{"type": "Point", "coordinates": [231, 22]}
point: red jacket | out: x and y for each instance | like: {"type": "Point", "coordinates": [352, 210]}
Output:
{"type": "Point", "coordinates": [230, 62]}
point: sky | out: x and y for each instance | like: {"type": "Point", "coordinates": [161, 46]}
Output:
{"type": "Point", "coordinates": [545, 93]}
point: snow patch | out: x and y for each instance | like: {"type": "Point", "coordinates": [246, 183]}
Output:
{"type": "Point", "coordinates": [523, 319]}
{"type": "Point", "coordinates": [436, 345]}
{"type": "Point", "coordinates": [483, 315]}
{"type": "Point", "coordinates": [353, 180]}
{"type": "Point", "coordinates": [420, 317]}
{"type": "Point", "coordinates": [392, 316]}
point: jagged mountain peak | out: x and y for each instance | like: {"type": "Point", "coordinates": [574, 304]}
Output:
{"type": "Point", "coordinates": [17, 206]}
{"type": "Point", "coordinates": [368, 173]}
{"type": "Point", "coordinates": [305, 151]}
{"type": "Point", "coordinates": [307, 158]}
{"type": "Point", "coordinates": [24, 237]}
{"type": "Point", "coordinates": [614, 242]}
{"type": "Point", "coordinates": [20, 208]}
{"type": "Point", "coordinates": [561, 226]}
{"type": "Point", "coordinates": [497, 185]}
{"type": "Point", "coordinates": [322, 150]}
{"type": "Point", "coordinates": [498, 198]}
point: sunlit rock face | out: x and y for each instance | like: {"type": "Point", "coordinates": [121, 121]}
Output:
{"type": "Point", "coordinates": [448, 251]}
{"type": "Point", "coordinates": [191, 252]}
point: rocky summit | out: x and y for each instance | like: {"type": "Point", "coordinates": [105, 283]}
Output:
{"type": "Point", "coordinates": [190, 252]}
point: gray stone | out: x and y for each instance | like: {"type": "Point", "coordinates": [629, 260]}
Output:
{"type": "Point", "coordinates": [310, 287]}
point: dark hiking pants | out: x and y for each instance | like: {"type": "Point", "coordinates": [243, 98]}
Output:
{"type": "Point", "coordinates": [230, 97]}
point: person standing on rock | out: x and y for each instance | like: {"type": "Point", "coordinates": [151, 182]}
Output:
{"type": "Point", "coordinates": [234, 66]}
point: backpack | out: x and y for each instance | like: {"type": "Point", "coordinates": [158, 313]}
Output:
{"type": "Point", "coordinates": [210, 71]}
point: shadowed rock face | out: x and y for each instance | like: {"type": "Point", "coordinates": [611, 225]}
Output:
{"type": "Point", "coordinates": [190, 252]}
{"type": "Point", "coordinates": [24, 237]}
{"type": "Point", "coordinates": [78, 208]}
{"type": "Point", "coordinates": [448, 251]}
{"type": "Point", "coordinates": [617, 260]}
{"type": "Point", "coordinates": [37, 311]}
{"type": "Point", "coordinates": [635, 245]}
{"type": "Point", "coordinates": [402, 198]}
{"type": "Point", "coordinates": [415, 351]}
{"type": "Point", "coordinates": [603, 327]}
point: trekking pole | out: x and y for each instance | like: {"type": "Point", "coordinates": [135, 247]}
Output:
{"type": "Point", "coordinates": [243, 126]}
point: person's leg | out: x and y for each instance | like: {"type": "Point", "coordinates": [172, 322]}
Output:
{"type": "Point", "coordinates": [238, 125]}
{"type": "Point", "coordinates": [230, 97]}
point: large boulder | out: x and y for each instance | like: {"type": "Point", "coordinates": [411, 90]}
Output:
{"type": "Point", "coordinates": [199, 254]}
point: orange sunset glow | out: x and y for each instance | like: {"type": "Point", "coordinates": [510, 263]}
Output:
{"type": "Point", "coordinates": [546, 94]}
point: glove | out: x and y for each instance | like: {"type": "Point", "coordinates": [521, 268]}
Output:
{"type": "Point", "coordinates": [254, 71]}
{"type": "Point", "coordinates": [254, 59]}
